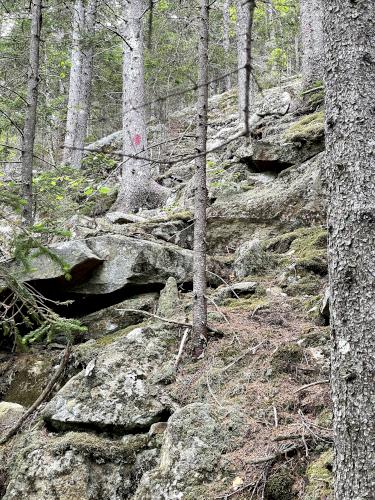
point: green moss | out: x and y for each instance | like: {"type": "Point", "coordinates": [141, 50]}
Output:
{"type": "Point", "coordinates": [306, 285]}
{"type": "Point", "coordinates": [306, 248]}
{"type": "Point", "coordinates": [279, 486]}
{"type": "Point", "coordinates": [319, 476]}
{"type": "Point", "coordinates": [285, 358]}
{"type": "Point", "coordinates": [89, 444]}
{"type": "Point", "coordinates": [308, 128]}
{"type": "Point", "coordinates": [112, 337]}
{"type": "Point", "coordinates": [325, 418]}
{"type": "Point", "coordinates": [247, 304]}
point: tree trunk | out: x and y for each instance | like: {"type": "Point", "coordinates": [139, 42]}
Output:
{"type": "Point", "coordinates": [227, 84]}
{"type": "Point", "coordinates": [137, 189]}
{"type": "Point", "coordinates": [245, 13]}
{"type": "Point", "coordinates": [312, 41]}
{"type": "Point", "coordinates": [28, 138]}
{"type": "Point", "coordinates": [80, 81]}
{"type": "Point", "coordinates": [349, 30]}
{"type": "Point", "coordinates": [200, 220]}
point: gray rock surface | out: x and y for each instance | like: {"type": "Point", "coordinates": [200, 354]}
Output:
{"type": "Point", "coordinates": [120, 390]}
{"type": "Point", "coordinates": [196, 437]}
{"type": "Point", "coordinates": [131, 261]}
{"type": "Point", "coordinates": [250, 258]}
{"type": "Point", "coordinates": [111, 319]}
{"type": "Point", "coordinates": [77, 466]}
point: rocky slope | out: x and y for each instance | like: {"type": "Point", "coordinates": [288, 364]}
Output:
{"type": "Point", "coordinates": [127, 420]}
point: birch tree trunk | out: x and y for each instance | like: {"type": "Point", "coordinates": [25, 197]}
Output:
{"type": "Point", "coordinates": [200, 220]}
{"type": "Point", "coordinates": [245, 13]}
{"type": "Point", "coordinates": [349, 29]}
{"type": "Point", "coordinates": [28, 137]}
{"type": "Point", "coordinates": [312, 41]}
{"type": "Point", "coordinates": [80, 81]}
{"type": "Point", "coordinates": [137, 189]}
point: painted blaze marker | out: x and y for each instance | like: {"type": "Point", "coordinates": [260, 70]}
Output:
{"type": "Point", "coordinates": [137, 139]}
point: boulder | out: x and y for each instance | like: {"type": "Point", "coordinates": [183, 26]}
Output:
{"type": "Point", "coordinates": [169, 302]}
{"type": "Point", "coordinates": [245, 288]}
{"type": "Point", "coordinates": [250, 258]}
{"type": "Point", "coordinates": [73, 257]}
{"type": "Point", "coordinates": [77, 465]}
{"type": "Point", "coordinates": [10, 413]}
{"type": "Point", "coordinates": [111, 319]}
{"type": "Point", "coordinates": [196, 437]}
{"type": "Point", "coordinates": [131, 261]}
{"type": "Point", "coordinates": [121, 389]}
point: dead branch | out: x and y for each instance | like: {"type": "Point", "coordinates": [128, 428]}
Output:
{"type": "Point", "coordinates": [167, 320]}
{"type": "Point", "coordinates": [307, 386]}
{"type": "Point", "coordinates": [182, 345]}
{"type": "Point", "coordinates": [40, 399]}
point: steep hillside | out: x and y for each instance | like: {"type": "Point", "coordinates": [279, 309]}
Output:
{"type": "Point", "coordinates": [134, 417]}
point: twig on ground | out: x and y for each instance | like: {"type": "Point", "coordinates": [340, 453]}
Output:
{"type": "Point", "coordinates": [182, 345]}
{"type": "Point", "coordinates": [307, 386]}
{"type": "Point", "coordinates": [225, 283]}
{"type": "Point", "coordinates": [167, 320]}
{"type": "Point", "coordinates": [40, 399]}
{"type": "Point", "coordinates": [275, 416]}
{"type": "Point", "coordinates": [252, 350]}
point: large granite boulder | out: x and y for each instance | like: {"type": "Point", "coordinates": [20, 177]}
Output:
{"type": "Point", "coordinates": [131, 261]}
{"type": "Point", "coordinates": [72, 263]}
{"type": "Point", "coordinates": [195, 439]}
{"type": "Point", "coordinates": [122, 389]}
{"type": "Point", "coordinates": [77, 466]}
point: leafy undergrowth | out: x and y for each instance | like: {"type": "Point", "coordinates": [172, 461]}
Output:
{"type": "Point", "coordinates": [266, 355]}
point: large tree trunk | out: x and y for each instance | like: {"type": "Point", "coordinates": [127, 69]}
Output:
{"type": "Point", "coordinates": [200, 220]}
{"type": "Point", "coordinates": [245, 12]}
{"type": "Point", "coordinates": [28, 138]}
{"type": "Point", "coordinates": [137, 189]}
{"type": "Point", "coordinates": [312, 41]}
{"type": "Point", "coordinates": [80, 81]}
{"type": "Point", "coordinates": [349, 29]}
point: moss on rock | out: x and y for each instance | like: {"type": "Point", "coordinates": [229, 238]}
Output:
{"type": "Point", "coordinates": [279, 486]}
{"type": "Point", "coordinates": [308, 128]}
{"type": "Point", "coordinates": [319, 477]}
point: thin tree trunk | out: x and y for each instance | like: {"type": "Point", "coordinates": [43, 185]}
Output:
{"type": "Point", "coordinates": [349, 30]}
{"type": "Point", "coordinates": [245, 12]}
{"type": "Point", "coordinates": [200, 220]}
{"type": "Point", "coordinates": [312, 41]}
{"type": "Point", "coordinates": [28, 138]}
{"type": "Point", "coordinates": [227, 84]}
{"type": "Point", "coordinates": [138, 189]}
{"type": "Point", "coordinates": [80, 81]}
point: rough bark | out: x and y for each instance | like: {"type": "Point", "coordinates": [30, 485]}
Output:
{"type": "Point", "coordinates": [137, 189]}
{"type": "Point", "coordinates": [227, 84]}
{"type": "Point", "coordinates": [245, 11]}
{"type": "Point", "coordinates": [349, 29]}
{"type": "Point", "coordinates": [312, 41]}
{"type": "Point", "coordinates": [80, 81]}
{"type": "Point", "coordinates": [200, 220]}
{"type": "Point", "coordinates": [28, 137]}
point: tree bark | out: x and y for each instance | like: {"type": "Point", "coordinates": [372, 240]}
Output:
{"type": "Point", "coordinates": [349, 30]}
{"type": "Point", "coordinates": [80, 81]}
{"type": "Point", "coordinates": [245, 12]}
{"type": "Point", "coordinates": [28, 137]}
{"type": "Point", "coordinates": [137, 189]}
{"type": "Point", "coordinates": [199, 334]}
{"type": "Point", "coordinates": [312, 41]}
{"type": "Point", "coordinates": [227, 84]}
